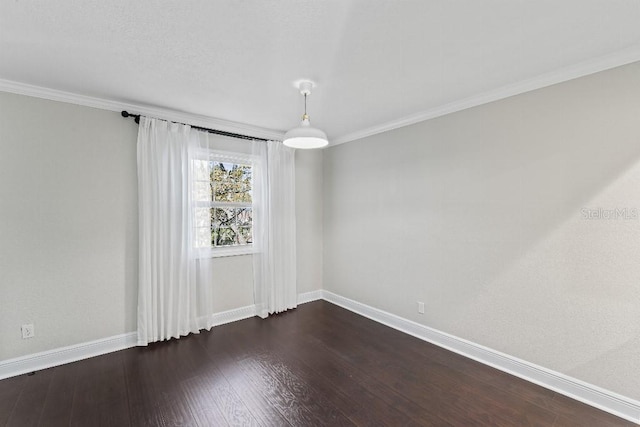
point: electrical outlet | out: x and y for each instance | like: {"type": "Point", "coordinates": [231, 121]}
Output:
{"type": "Point", "coordinates": [420, 307]}
{"type": "Point", "coordinates": [28, 331]}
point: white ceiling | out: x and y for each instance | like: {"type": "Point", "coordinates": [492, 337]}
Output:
{"type": "Point", "coordinates": [375, 62]}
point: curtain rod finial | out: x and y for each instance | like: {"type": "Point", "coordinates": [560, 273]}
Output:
{"type": "Point", "coordinates": [126, 114]}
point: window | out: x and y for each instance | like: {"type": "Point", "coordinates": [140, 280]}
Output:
{"type": "Point", "coordinates": [222, 193]}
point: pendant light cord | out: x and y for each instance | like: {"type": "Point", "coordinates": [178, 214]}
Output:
{"type": "Point", "coordinates": [305, 116]}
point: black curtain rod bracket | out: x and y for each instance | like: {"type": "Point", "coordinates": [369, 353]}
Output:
{"type": "Point", "coordinates": [136, 117]}
{"type": "Point", "coordinates": [127, 114]}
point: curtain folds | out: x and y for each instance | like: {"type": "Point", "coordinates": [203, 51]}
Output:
{"type": "Point", "coordinates": [175, 289]}
{"type": "Point", "coordinates": [274, 259]}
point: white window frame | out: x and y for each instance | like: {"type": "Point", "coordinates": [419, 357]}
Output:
{"type": "Point", "coordinates": [228, 157]}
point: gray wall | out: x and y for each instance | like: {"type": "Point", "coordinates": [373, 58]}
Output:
{"type": "Point", "coordinates": [309, 219]}
{"type": "Point", "coordinates": [480, 215]}
{"type": "Point", "coordinates": [68, 227]}
{"type": "Point", "coordinates": [68, 224]}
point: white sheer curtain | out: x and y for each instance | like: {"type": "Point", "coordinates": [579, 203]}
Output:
{"type": "Point", "coordinates": [174, 295]}
{"type": "Point", "coordinates": [175, 286]}
{"type": "Point", "coordinates": [274, 259]}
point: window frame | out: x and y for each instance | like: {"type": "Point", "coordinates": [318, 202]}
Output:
{"type": "Point", "coordinates": [226, 157]}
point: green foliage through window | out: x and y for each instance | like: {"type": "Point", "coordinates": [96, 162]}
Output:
{"type": "Point", "coordinates": [224, 192]}
{"type": "Point", "coordinates": [231, 182]}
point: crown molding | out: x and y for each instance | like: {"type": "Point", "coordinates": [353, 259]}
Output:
{"type": "Point", "coordinates": [145, 110]}
{"type": "Point", "coordinates": [602, 63]}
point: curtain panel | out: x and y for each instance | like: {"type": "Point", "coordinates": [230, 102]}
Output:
{"type": "Point", "coordinates": [274, 259]}
{"type": "Point", "coordinates": [175, 289]}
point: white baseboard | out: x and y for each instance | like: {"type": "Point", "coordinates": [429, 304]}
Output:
{"type": "Point", "coordinates": [309, 296]}
{"type": "Point", "coordinates": [606, 400]}
{"type": "Point", "coordinates": [232, 315]}
{"type": "Point", "coordinates": [73, 353]}
{"type": "Point", "coordinates": [62, 355]}
{"type": "Point", "coordinates": [590, 394]}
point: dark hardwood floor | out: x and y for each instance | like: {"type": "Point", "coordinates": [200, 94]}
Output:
{"type": "Point", "coordinates": [318, 365]}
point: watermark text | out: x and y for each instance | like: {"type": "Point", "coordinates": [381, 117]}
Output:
{"type": "Point", "coordinates": [615, 214]}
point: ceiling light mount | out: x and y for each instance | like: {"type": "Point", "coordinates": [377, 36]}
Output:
{"type": "Point", "coordinates": [305, 87]}
{"type": "Point", "coordinates": [305, 136]}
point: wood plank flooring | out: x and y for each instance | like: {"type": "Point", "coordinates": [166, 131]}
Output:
{"type": "Point", "coordinates": [318, 365]}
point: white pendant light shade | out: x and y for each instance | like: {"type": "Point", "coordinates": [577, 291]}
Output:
{"type": "Point", "coordinates": [305, 136]}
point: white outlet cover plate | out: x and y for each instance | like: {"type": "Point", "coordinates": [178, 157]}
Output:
{"type": "Point", "coordinates": [28, 331]}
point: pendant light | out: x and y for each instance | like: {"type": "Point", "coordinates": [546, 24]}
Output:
{"type": "Point", "coordinates": [305, 136]}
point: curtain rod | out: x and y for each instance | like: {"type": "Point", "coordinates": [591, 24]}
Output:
{"type": "Point", "coordinates": [126, 114]}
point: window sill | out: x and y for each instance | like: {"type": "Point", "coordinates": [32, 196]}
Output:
{"type": "Point", "coordinates": [224, 252]}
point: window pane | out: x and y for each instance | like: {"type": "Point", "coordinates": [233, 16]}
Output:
{"type": "Point", "coordinates": [243, 217]}
{"type": "Point", "coordinates": [223, 226]}
{"type": "Point", "coordinates": [244, 224]}
{"type": "Point", "coordinates": [222, 194]}
{"type": "Point", "coordinates": [203, 237]}
{"type": "Point", "coordinates": [225, 236]}
{"type": "Point", "coordinates": [241, 197]}
{"type": "Point", "coordinates": [244, 189]}
{"type": "Point", "coordinates": [202, 191]}
{"type": "Point", "coordinates": [232, 182]}
{"type": "Point", "coordinates": [245, 235]}
{"type": "Point", "coordinates": [223, 217]}
{"type": "Point", "coordinates": [219, 181]}
{"type": "Point", "coordinates": [202, 217]}
{"type": "Point", "coordinates": [201, 170]}
{"type": "Point", "coordinates": [231, 226]}
{"type": "Point", "coordinates": [222, 182]}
